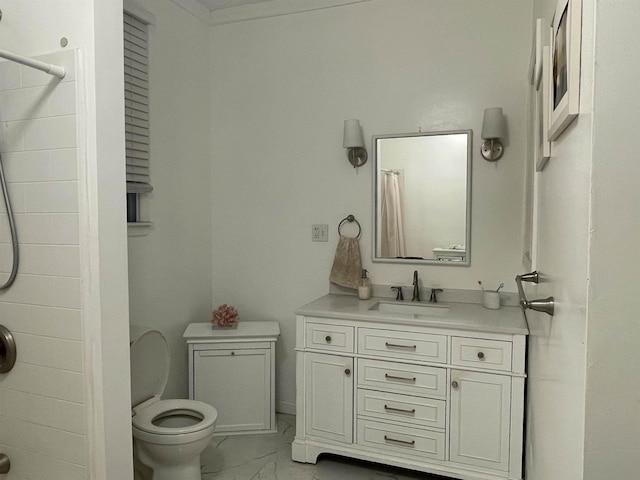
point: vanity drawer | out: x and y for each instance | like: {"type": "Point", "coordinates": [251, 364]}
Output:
{"type": "Point", "coordinates": [394, 407]}
{"type": "Point", "coordinates": [479, 353]}
{"type": "Point", "coordinates": [403, 345]}
{"type": "Point", "coordinates": [399, 377]}
{"type": "Point", "coordinates": [400, 439]}
{"type": "Point", "coordinates": [335, 338]}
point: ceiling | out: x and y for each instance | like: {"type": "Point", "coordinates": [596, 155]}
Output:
{"type": "Point", "coordinates": [220, 12]}
{"type": "Point", "coordinates": [220, 4]}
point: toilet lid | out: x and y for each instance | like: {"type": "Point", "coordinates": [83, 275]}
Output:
{"type": "Point", "coordinates": [149, 365]}
{"type": "Point", "coordinates": [174, 417]}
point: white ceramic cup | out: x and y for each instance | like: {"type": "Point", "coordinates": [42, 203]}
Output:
{"type": "Point", "coordinates": [491, 300]}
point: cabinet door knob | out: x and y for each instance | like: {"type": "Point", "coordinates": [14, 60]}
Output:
{"type": "Point", "coordinates": [454, 384]}
{"type": "Point", "coordinates": [233, 353]}
{"type": "Point", "coordinates": [327, 339]}
{"type": "Point", "coordinates": [481, 355]}
{"type": "Point", "coordinates": [347, 371]}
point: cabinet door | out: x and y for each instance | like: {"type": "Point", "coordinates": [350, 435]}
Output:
{"type": "Point", "coordinates": [238, 384]}
{"type": "Point", "coordinates": [480, 419]}
{"type": "Point", "coordinates": [329, 396]}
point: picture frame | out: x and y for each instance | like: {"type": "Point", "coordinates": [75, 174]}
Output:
{"type": "Point", "coordinates": [564, 71]}
{"type": "Point", "coordinates": [542, 145]}
{"type": "Point", "coordinates": [535, 64]}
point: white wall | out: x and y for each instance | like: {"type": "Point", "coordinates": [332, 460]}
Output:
{"type": "Point", "coordinates": [282, 89]}
{"type": "Point", "coordinates": [583, 377]}
{"type": "Point", "coordinates": [612, 416]}
{"type": "Point", "coordinates": [31, 28]}
{"type": "Point", "coordinates": [556, 369]}
{"type": "Point", "coordinates": [43, 397]}
{"type": "Point", "coordinates": [170, 269]}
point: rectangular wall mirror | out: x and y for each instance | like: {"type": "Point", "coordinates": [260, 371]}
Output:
{"type": "Point", "coordinates": [422, 196]}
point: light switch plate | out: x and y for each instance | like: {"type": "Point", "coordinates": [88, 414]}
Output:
{"type": "Point", "coordinates": [320, 233]}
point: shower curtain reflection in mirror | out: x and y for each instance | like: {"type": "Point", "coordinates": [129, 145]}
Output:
{"type": "Point", "coordinates": [392, 237]}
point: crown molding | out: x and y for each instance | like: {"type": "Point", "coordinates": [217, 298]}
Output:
{"type": "Point", "coordinates": [272, 8]}
{"type": "Point", "coordinates": [195, 8]}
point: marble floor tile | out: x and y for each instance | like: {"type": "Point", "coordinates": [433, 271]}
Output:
{"type": "Point", "coordinates": [268, 457]}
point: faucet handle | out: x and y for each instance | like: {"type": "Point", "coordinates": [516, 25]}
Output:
{"type": "Point", "coordinates": [434, 295]}
{"type": "Point", "coordinates": [399, 293]}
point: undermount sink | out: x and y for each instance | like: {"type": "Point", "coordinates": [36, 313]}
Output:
{"type": "Point", "coordinates": [426, 309]}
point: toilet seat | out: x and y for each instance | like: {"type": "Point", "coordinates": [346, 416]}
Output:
{"type": "Point", "coordinates": [144, 418]}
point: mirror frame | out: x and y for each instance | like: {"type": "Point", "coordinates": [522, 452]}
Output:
{"type": "Point", "coordinates": [430, 261]}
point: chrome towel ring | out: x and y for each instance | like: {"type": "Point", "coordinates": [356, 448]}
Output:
{"type": "Point", "coordinates": [350, 219]}
{"type": "Point", "coordinates": [7, 350]}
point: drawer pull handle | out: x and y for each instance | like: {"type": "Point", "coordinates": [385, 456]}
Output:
{"type": "Point", "coordinates": [481, 355]}
{"type": "Point", "coordinates": [405, 379]}
{"type": "Point", "coordinates": [327, 339]}
{"type": "Point", "coordinates": [395, 345]}
{"type": "Point", "coordinates": [412, 443]}
{"type": "Point", "coordinates": [401, 410]}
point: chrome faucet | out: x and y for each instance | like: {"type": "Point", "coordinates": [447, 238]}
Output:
{"type": "Point", "coordinates": [416, 288]}
{"type": "Point", "coordinates": [434, 295]}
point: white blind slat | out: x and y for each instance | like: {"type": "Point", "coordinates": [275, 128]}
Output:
{"type": "Point", "coordinates": [136, 187]}
{"type": "Point", "coordinates": [140, 162]}
{"type": "Point", "coordinates": [131, 177]}
{"type": "Point", "coordinates": [136, 155]}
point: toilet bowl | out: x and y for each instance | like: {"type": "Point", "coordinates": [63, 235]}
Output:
{"type": "Point", "coordinates": [168, 435]}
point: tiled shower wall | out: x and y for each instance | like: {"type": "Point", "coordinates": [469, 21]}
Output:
{"type": "Point", "coordinates": [42, 400]}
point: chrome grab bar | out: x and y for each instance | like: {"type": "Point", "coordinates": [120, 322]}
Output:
{"type": "Point", "coordinates": [545, 305]}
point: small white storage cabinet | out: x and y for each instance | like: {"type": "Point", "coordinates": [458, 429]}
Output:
{"type": "Point", "coordinates": [418, 395]}
{"type": "Point", "coordinates": [234, 370]}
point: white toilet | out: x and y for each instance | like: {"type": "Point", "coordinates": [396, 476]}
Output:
{"type": "Point", "coordinates": [168, 435]}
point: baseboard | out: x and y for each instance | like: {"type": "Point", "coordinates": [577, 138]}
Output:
{"type": "Point", "coordinates": [288, 408]}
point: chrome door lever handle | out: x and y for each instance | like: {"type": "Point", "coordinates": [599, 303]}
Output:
{"type": "Point", "coordinates": [7, 350]}
{"type": "Point", "coordinates": [545, 305]}
{"type": "Point", "coordinates": [5, 464]}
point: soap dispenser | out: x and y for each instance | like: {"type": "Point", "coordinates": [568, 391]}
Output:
{"type": "Point", "coordinates": [364, 287]}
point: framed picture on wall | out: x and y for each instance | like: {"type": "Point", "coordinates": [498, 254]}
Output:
{"type": "Point", "coordinates": [542, 145]}
{"type": "Point", "coordinates": [564, 86]}
{"type": "Point", "coordinates": [535, 64]}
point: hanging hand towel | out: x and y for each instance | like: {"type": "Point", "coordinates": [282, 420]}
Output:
{"type": "Point", "coordinates": [347, 266]}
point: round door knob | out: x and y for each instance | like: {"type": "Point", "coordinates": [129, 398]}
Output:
{"type": "Point", "coordinates": [328, 338]}
{"type": "Point", "coordinates": [454, 384]}
{"type": "Point", "coordinates": [481, 355]}
{"type": "Point", "coordinates": [347, 371]}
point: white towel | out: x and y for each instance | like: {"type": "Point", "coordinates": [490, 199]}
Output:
{"type": "Point", "coordinates": [347, 265]}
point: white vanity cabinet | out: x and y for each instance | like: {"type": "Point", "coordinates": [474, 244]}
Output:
{"type": "Point", "coordinates": [431, 395]}
{"type": "Point", "coordinates": [329, 396]}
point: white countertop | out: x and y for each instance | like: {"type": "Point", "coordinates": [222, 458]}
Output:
{"type": "Point", "coordinates": [245, 330]}
{"type": "Point", "coordinates": [461, 316]}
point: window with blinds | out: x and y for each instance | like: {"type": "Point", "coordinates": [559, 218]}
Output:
{"type": "Point", "coordinates": [136, 86]}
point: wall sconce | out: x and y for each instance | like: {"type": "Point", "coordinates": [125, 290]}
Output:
{"type": "Point", "coordinates": [354, 141]}
{"type": "Point", "coordinates": [493, 129]}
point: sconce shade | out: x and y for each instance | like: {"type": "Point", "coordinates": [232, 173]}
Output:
{"type": "Point", "coordinates": [352, 134]}
{"type": "Point", "coordinates": [493, 124]}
